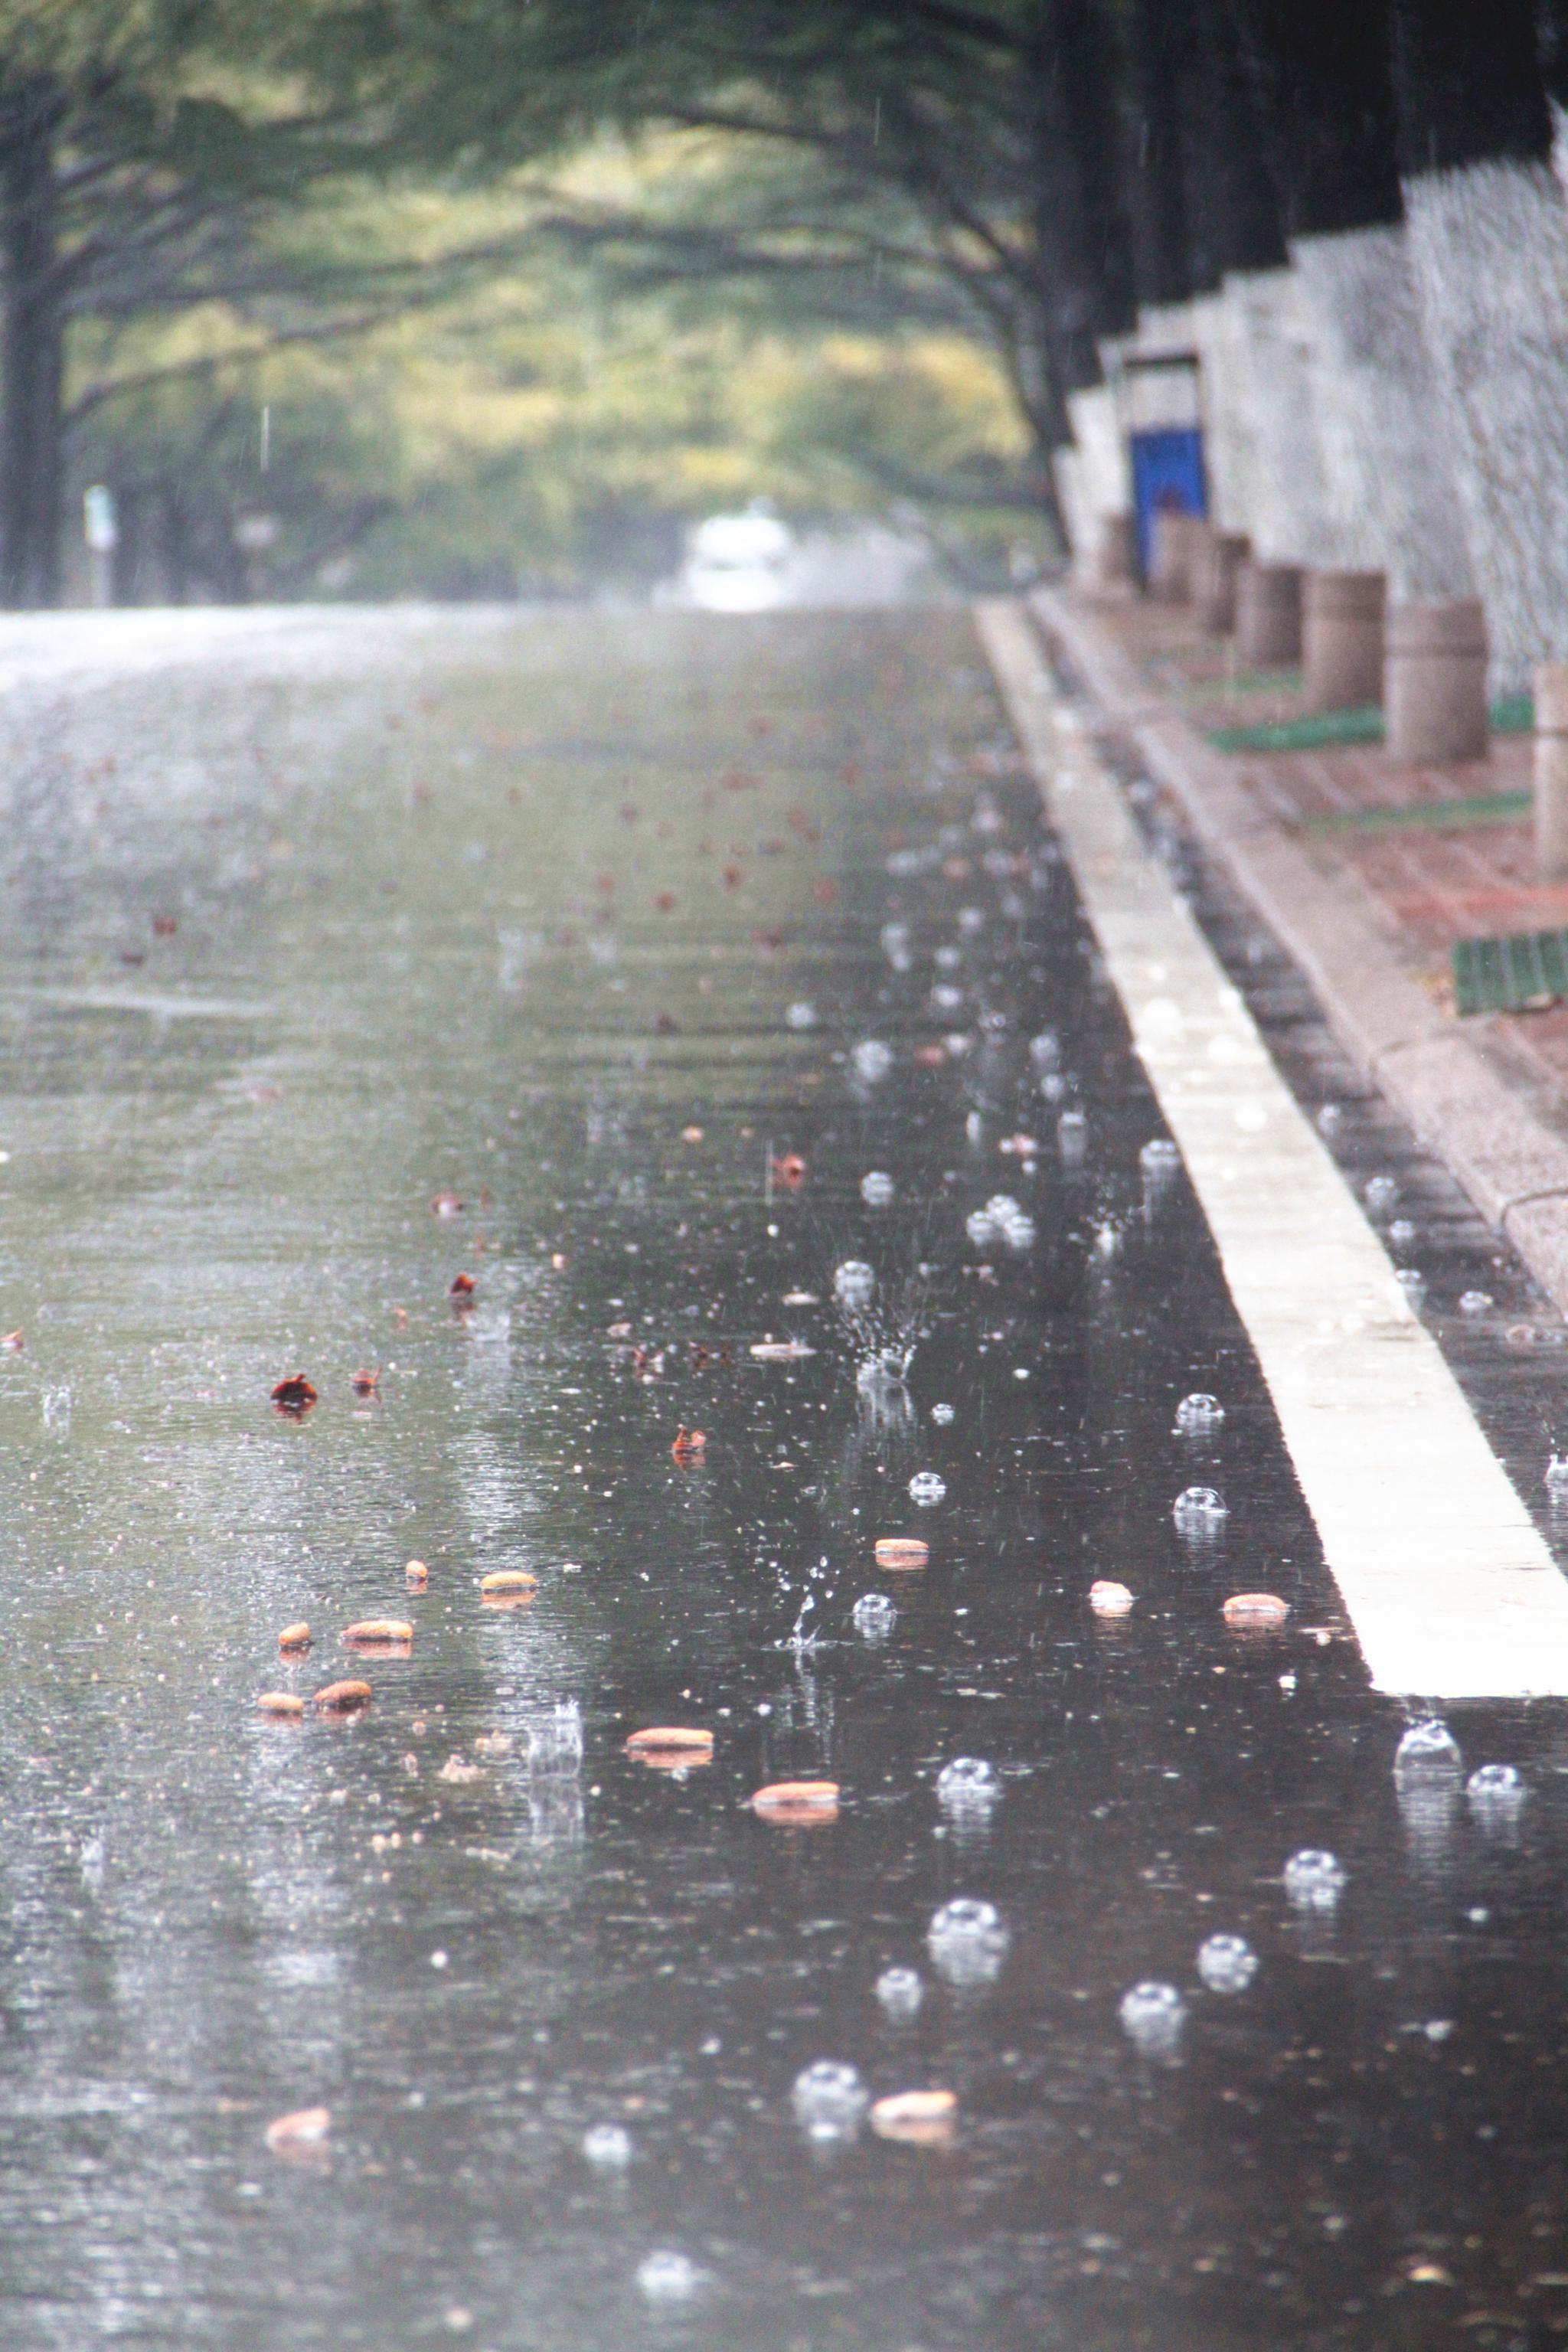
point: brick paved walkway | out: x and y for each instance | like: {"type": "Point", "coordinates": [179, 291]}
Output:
{"type": "Point", "coordinates": [1436, 886]}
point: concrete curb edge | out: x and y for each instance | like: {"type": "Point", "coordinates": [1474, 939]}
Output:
{"type": "Point", "coordinates": [1513, 1165]}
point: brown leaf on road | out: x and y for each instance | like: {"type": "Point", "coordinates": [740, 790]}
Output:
{"type": "Point", "coordinates": [446, 1204]}
{"type": "Point", "coordinates": [379, 1633]}
{"type": "Point", "coordinates": [690, 1445]}
{"type": "Point", "coordinates": [13, 1342]}
{"type": "Point", "coordinates": [788, 1169]}
{"type": "Point", "coordinates": [365, 1382]}
{"type": "Point", "coordinates": [281, 1703]}
{"type": "Point", "coordinates": [460, 1290]}
{"type": "Point", "coordinates": [342, 1698]}
{"type": "Point", "coordinates": [294, 1395]}
{"type": "Point", "coordinates": [305, 2130]}
{"type": "Point", "coordinates": [295, 1637]}
{"type": "Point", "coordinates": [798, 1804]}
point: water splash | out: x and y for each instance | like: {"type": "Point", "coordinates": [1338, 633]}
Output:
{"type": "Point", "coordinates": [968, 1942]}
{"type": "Point", "coordinates": [1226, 1964]}
{"type": "Point", "coordinates": [829, 2100]}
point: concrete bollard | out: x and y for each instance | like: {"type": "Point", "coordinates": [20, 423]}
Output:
{"type": "Point", "coordinates": [1116, 555]}
{"type": "Point", "coordinates": [1551, 771]}
{"type": "Point", "coordinates": [1269, 615]}
{"type": "Point", "coordinates": [1223, 555]}
{"type": "Point", "coordinates": [1341, 639]}
{"type": "Point", "coordinates": [1176, 534]}
{"type": "Point", "coordinates": [1434, 682]}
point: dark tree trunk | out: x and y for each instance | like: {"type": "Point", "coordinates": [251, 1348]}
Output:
{"type": "Point", "coordinates": [32, 345]}
{"type": "Point", "coordinates": [1468, 80]}
{"type": "Point", "coordinates": [1234, 215]}
{"type": "Point", "coordinates": [1152, 149]}
{"type": "Point", "coordinates": [1322, 76]}
{"type": "Point", "coordinates": [1085, 261]}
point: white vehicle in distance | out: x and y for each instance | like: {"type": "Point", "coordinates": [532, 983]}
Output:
{"type": "Point", "coordinates": [736, 563]}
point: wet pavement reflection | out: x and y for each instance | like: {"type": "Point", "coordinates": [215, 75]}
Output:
{"type": "Point", "coordinates": [651, 1078]}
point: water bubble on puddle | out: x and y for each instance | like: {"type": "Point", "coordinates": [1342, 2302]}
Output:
{"type": "Point", "coordinates": [1428, 1751]}
{"type": "Point", "coordinates": [802, 1015]}
{"type": "Point", "coordinates": [1489, 1781]}
{"type": "Point", "coordinates": [854, 1283]}
{"type": "Point", "coordinates": [967, 1941]}
{"type": "Point", "coordinates": [981, 1227]}
{"type": "Point", "coordinates": [926, 1488]}
{"type": "Point", "coordinates": [968, 1785]}
{"type": "Point", "coordinates": [1199, 1413]}
{"type": "Point", "coordinates": [1198, 1510]}
{"type": "Point", "coordinates": [1330, 1119]}
{"type": "Point", "coordinates": [666, 2276]}
{"type": "Point", "coordinates": [1475, 1302]}
{"type": "Point", "coordinates": [973, 1127]}
{"type": "Point", "coordinates": [1053, 1086]}
{"type": "Point", "coordinates": [1226, 1963]}
{"type": "Point", "coordinates": [608, 2146]}
{"type": "Point", "coordinates": [895, 938]}
{"type": "Point", "coordinates": [1314, 1879]}
{"type": "Point", "coordinates": [829, 2100]}
{"type": "Point", "coordinates": [1380, 1194]}
{"type": "Point", "coordinates": [1401, 1233]}
{"type": "Point", "coordinates": [1159, 1156]}
{"type": "Point", "coordinates": [875, 1616]}
{"type": "Point", "coordinates": [900, 1992]}
{"type": "Point", "coordinates": [1557, 1476]}
{"type": "Point", "coordinates": [872, 1060]}
{"type": "Point", "coordinates": [948, 959]}
{"type": "Point", "coordinates": [946, 998]}
{"type": "Point", "coordinates": [971, 920]}
{"type": "Point", "coordinates": [1413, 1282]}
{"type": "Point", "coordinates": [1153, 2015]}
{"type": "Point", "coordinates": [942, 1414]}
{"type": "Point", "coordinates": [877, 1189]}
{"type": "Point", "coordinates": [1072, 1134]}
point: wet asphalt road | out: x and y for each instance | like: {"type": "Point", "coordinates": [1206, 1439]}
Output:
{"type": "Point", "coordinates": [589, 925]}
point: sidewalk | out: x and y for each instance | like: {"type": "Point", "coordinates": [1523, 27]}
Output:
{"type": "Point", "coordinates": [1369, 902]}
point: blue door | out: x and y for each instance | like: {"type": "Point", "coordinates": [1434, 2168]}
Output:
{"type": "Point", "coordinates": [1167, 474]}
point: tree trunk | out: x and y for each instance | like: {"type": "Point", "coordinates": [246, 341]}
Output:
{"type": "Point", "coordinates": [1080, 235]}
{"type": "Point", "coordinates": [1152, 145]}
{"type": "Point", "coordinates": [32, 345]}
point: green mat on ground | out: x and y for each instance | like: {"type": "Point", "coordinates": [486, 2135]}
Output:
{"type": "Point", "coordinates": [1513, 715]}
{"type": "Point", "coordinates": [1426, 816]}
{"type": "Point", "coordinates": [1508, 974]}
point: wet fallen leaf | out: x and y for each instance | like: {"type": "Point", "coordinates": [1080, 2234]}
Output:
{"type": "Point", "coordinates": [921, 2119]}
{"type": "Point", "coordinates": [619, 1331]}
{"type": "Point", "coordinates": [457, 1768]}
{"type": "Point", "coordinates": [295, 1637]}
{"type": "Point", "coordinates": [446, 1204]}
{"type": "Point", "coordinates": [781, 1352]}
{"type": "Point", "coordinates": [281, 1703]}
{"type": "Point", "coordinates": [931, 1057]}
{"type": "Point", "coordinates": [165, 926]}
{"type": "Point", "coordinates": [509, 1580]}
{"type": "Point", "coordinates": [379, 1632]}
{"type": "Point", "coordinates": [1256, 1609]}
{"type": "Point", "coordinates": [307, 2127]}
{"type": "Point", "coordinates": [691, 1135]}
{"type": "Point", "coordinates": [690, 1445]}
{"type": "Point", "coordinates": [416, 1575]}
{"type": "Point", "coordinates": [365, 1382]}
{"type": "Point", "coordinates": [1109, 1599]}
{"type": "Point", "coordinates": [798, 1804]}
{"type": "Point", "coordinates": [665, 901]}
{"type": "Point", "coordinates": [342, 1698]}
{"type": "Point", "coordinates": [788, 1169]}
{"type": "Point", "coordinates": [493, 1743]}
{"type": "Point", "coordinates": [902, 1551]}
{"type": "Point", "coordinates": [295, 1394]}
{"type": "Point", "coordinates": [671, 1742]}
{"type": "Point", "coordinates": [460, 1290]}
{"type": "Point", "coordinates": [13, 1342]}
